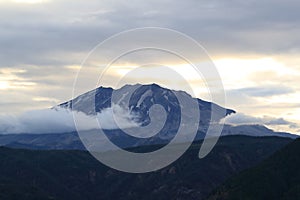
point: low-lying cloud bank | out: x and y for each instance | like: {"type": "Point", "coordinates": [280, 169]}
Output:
{"type": "Point", "coordinates": [242, 119]}
{"type": "Point", "coordinates": [61, 120]}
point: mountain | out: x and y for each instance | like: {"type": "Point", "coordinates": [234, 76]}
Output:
{"type": "Point", "coordinates": [140, 98]}
{"type": "Point", "coordinates": [62, 175]}
{"type": "Point", "coordinates": [278, 177]}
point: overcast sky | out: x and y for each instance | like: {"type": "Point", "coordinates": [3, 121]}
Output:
{"type": "Point", "coordinates": [254, 45]}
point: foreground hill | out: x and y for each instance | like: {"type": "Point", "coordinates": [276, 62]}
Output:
{"type": "Point", "coordinates": [278, 177]}
{"type": "Point", "coordinates": [29, 174]}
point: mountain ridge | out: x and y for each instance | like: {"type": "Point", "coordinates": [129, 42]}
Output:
{"type": "Point", "coordinates": [277, 177]}
{"type": "Point", "coordinates": [60, 174]}
{"type": "Point", "coordinates": [106, 92]}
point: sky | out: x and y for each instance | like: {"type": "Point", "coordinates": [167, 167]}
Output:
{"type": "Point", "coordinates": [254, 44]}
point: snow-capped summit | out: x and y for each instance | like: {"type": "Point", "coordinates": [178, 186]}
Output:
{"type": "Point", "coordinates": [139, 99]}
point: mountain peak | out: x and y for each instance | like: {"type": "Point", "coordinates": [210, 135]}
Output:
{"type": "Point", "coordinates": [141, 99]}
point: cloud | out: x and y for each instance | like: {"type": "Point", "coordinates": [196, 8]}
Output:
{"type": "Point", "coordinates": [60, 120]}
{"type": "Point", "coordinates": [278, 121]}
{"type": "Point", "coordinates": [62, 32]}
{"type": "Point", "coordinates": [117, 117]}
{"type": "Point", "coordinates": [264, 91]}
{"type": "Point", "coordinates": [242, 119]}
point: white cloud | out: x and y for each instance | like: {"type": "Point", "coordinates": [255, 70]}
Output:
{"type": "Point", "coordinates": [279, 124]}
{"type": "Point", "coordinates": [117, 117]}
{"type": "Point", "coordinates": [60, 120]}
